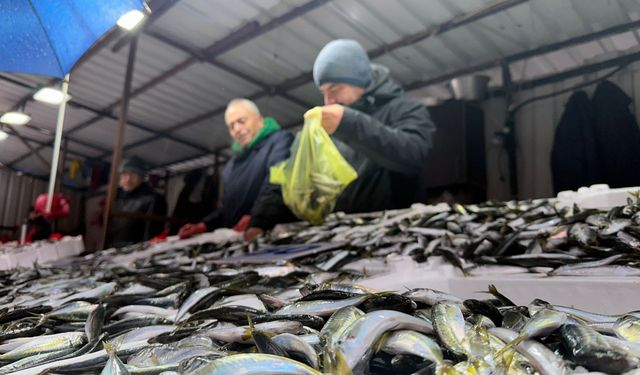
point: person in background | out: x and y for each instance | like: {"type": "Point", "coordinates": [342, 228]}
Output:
{"type": "Point", "coordinates": [381, 132]}
{"type": "Point", "coordinates": [38, 228]}
{"type": "Point", "coordinates": [135, 196]}
{"type": "Point", "coordinates": [248, 198]}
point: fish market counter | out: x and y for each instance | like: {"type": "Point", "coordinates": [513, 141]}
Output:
{"type": "Point", "coordinates": [40, 252]}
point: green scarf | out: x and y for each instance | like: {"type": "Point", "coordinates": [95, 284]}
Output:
{"type": "Point", "coordinates": [269, 127]}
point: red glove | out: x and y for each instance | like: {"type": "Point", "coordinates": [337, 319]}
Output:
{"type": "Point", "coordinates": [242, 224]}
{"type": "Point", "coordinates": [159, 238]}
{"type": "Point", "coordinates": [191, 230]}
{"type": "Point", "coordinates": [55, 236]}
{"type": "Point", "coordinates": [252, 233]}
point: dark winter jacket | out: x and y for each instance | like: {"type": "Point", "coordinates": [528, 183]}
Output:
{"type": "Point", "coordinates": [386, 137]}
{"type": "Point", "coordinates": [246, 187]}
{"type": "Point", "coordinates": [198, 197]}
{"type": "Point", "coordinates": [142, 200]}
{"type": "Point", "coordinates": [617, 136]}
{"type": "Point", "coordinates": [574, 161]}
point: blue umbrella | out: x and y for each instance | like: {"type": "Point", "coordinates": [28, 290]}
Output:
{"type": "Point", "coordinates": [48, 37]}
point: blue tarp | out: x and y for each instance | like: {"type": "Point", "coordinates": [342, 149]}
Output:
{"type": "Point", "coordinates": [47, 37]}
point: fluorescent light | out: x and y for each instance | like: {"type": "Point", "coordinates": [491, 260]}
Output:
{"type": "Point", "coordinates": [130, 20]}
{"type": "Point", "coordinates": [15, 118]}
{"type": "Point", "coordinates": [3, 135]}
{"type": "Point", "coordinates": [50, 95]}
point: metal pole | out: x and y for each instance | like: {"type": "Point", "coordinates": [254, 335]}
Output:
{"type": "Point", "coordinates": [58, 139]}
{"type": "Point", "coordinates": [117, 145]}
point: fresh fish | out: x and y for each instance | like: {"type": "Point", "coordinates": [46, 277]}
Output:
{"type": "Point", "coordinates": [95, 320]}
{"type": "Point", "coordinates": [74, 312]}
{"type": "Point", "coordinates": [628, 328]}
{"type": "Point", "coordinates": [142, 333]}
{"type": "Point", "coordinates": [193, 300]}
{"type": "Point", "coordinates": [449, 324]}
{"type": "Point", "coordinates": [114, 365]}
{"type": "Point", "coordinates": [146, 310]}
{"type": "Point", "coordinates": [338, 323]}
{"type": "Point", "coordinates": [243, 334]}
{"type": "Point", "coordinates": [319, 308]}
{"type": "Point", "coordinates": [541, 358]}
{"type": "Point", "coordinates": [254, 364]}
{"type": "Point", "coordinates": [431, 296]}
{"type": "Point", "coordinates": [410, 342]}
{"type": "Point", "coordinates": [567, 269]}
{"type": "Point", "coordinates": [298, 345]}
{"type": "Point", "coordinates": [34, 360]}
{"type": "Point", "coordinates": [587, 348]}
{"type": "Point", "coordinates": [356, 344]}
{"type": "Point", "coordinates": [95, 293]}
{"type": "Point", "coordinates": [543, 323]}
{"type": "Point", "coordinates": [52, 343]}
{"type": "Point", "coordinates": [583, 234]}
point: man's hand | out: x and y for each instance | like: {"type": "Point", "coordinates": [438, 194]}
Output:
{"type": "Point", "coordinates": [190, 230]}
{"type": "Point", "coordinates": [252, 233]}
{"type": "Point", "coordinates": [331, 117]}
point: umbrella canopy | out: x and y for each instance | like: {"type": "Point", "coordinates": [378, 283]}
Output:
{"type": "Point", "coordinates": [47, 37]}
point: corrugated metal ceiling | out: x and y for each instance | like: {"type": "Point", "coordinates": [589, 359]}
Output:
{"type": "Point", "coordinates": [171, 112]}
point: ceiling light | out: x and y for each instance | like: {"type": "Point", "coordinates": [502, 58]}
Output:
{"type": "Point", "coordinates": [50, 96]}
{"type": "Point", "coordinates": [3, 135]}
{"type": "Point", "coordinates": [130, 20]}
{"type": "Point", "coordinates": [15, 118]}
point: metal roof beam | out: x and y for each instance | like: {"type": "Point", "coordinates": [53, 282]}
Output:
{"type": "Point", "coordinates": [99, 115]}
{"type": "Point", "coordinates": [245, 33]}
{"type": "Point", "coordinates": [455, 22]}
{"type": "Point", "coordinates": [575, 72]}
{"type": "Point", "coordinates": [527, 54]}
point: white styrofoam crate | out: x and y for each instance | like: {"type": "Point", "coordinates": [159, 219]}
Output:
{"type": "Point", "coordinates": [605, 295]}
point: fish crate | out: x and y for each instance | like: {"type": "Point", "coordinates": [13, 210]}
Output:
{"type": "Point", "coordinates": [607, 295]}
{"type": "Point", "coordinates": [40, 252]}
{"type": "Point", "coordinates": [596, 196]}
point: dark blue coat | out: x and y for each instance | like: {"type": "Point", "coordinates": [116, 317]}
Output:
{"type": "Point", "coordinates": [246, 187]}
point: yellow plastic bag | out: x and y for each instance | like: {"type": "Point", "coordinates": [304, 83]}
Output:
{"type": "Point", "coordinates": [315, 174]}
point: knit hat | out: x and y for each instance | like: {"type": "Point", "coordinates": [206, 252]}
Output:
{"type": "Point", "coordinates": [135, 165]}
{"type": "Point", "coordinates": [342, 61]}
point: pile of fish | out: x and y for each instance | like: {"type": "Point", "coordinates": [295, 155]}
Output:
{"type": "Point", "coordinates": [535, 235]}
{"type": "Point", "coordinates": [289, 320]}
{"type": "Point", "coordinates": [184, 311]}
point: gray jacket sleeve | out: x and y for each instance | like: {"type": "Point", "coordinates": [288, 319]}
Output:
{"type": "Point", "coordinates": [400, 145]}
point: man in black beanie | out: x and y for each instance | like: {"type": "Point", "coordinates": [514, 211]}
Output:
{"type": "Point", "coordinates": [135, 196]}
{"type": "Point", "coordinates": [383, 134]}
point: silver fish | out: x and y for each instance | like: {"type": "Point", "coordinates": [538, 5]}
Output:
{"type": "Point", "coordinates": [38, 345]}
{"type": "Point", "coordinates": [320, 307]}
{"type": "Point", "coordinates": [541, 358]}
{"type": "Point", "coordinates": [356, 344]}
{"type": "Point", "coordinates": [295, 344]}
{"type": "Point", "coordinates": [410, 342]}
{"type": "Point", "coordinates": [254, 364]}
{"type": "Point", "coordinates": [194, 298]}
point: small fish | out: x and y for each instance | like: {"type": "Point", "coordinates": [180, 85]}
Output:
{"type": "Point", "coordinates": [587, 348]}
{"type": "Point", "coordinates": [410, 342]}
{"type": "Point", "coordinates": [95, 320]}
{"type": "Point", "coordinates": [449, 324]}
{"type": "Point", "coordinates": [114, 365]}
{"type": "Point", "coordinates": [249, 364]}
{"type": "Point", "coordinates": [52, 343]}
{"type": "Point", "coordinates": [297, 345]}
{"type": "Point", "coordinates": [356, 345]}
{"type": "Point", "coordinates": [628, 328]}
